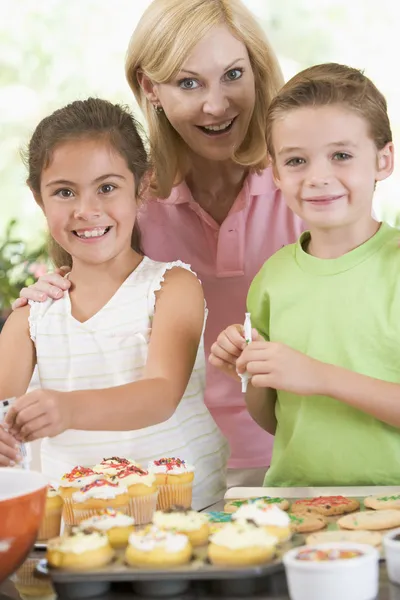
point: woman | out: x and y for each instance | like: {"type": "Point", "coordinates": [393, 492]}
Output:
{"type": "Point", "coordinates": [204, 75]}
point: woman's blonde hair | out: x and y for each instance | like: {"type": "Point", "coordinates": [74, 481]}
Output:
{"type": "Point", "coordinates": [160, 44]}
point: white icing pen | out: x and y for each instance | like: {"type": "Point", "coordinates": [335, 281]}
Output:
{"type": "Point", "coordinates": [24, 449]}
{"type": "Point", "coordinates": [245, 377]}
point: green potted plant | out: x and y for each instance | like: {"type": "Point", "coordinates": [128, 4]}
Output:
{"type": "Point", "coordinates": [19, 267]}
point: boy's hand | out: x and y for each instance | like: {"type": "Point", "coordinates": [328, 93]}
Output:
{"type": "Point", "coordinates": [9, 454]}
{"type": "Point", "coordinates": [277, 366]}
{"type": "Point", "coordinates": [39, 414]}
{"type": "Point", "coordinates": [228, 347]}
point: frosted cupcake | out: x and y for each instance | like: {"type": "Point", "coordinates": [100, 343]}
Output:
{"type": "Point", "coordinates": [81, 550]}
{"type": "Point", "coordinates": [116, 525]}
{"type": "Point", "coordinates": [274, 520]}
{"type": "Point", "coordinates": [189, 522]}
{"type": "Point", "coordinates": [70, 483]}
{"type": "Point", "coordinates": [111, 466]}
{"type": "Point", "coordinates": [30, 585]}
{"type": "Point", "coordinates": [142, 490]}
{"type": "Point", "coordinates": [155, 548]}
{"type": "Point", "coordinates": [97, 496]}
{"type": "Point", "coordinates": [240, 544]}
{"type": "Point", "coordinates": [174, 478]}
{"type": "Point", "coordinates": [51, 523]}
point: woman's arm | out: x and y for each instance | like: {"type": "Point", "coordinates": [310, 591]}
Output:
{"type": "Point", "coordinates": [261, 406]}
{"type": "Point", "coordinates": [176, 331]}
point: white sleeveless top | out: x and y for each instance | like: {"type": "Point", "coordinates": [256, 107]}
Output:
{"type": "Point", "coordinates": [108, 350]}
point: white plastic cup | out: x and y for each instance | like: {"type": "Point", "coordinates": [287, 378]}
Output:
{"type": "Point", "coordinates": [342, 579]}
{"type": "Point", "coordinates": [392, 555]}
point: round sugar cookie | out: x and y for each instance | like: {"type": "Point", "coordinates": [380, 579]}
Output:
{"type": "Point", "coordinates": [372, 538]}
{"type": "Point", "coordinates": [381, 502]}
{"type": "Point", "coordinates": [232, 505]}
{"type": "Point", "coordinates": [306, 523]}
{"type": "Point", "coordinates": [373, 520]}
{"type": "Point", "coordinates": [325, 505]}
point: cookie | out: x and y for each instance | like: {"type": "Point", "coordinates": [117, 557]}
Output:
{"type": "Point", "coordinates": [380, 502]}
{"type": "Point", "coordinates": [380, 519]}
{"type": "Point", "coordinates": [233, 505]}
{"type": "Point", "coordinates": [326, 505]}
{"type": "Point", "coordinates": [306, 523]}
{"type": "Point", "coordinates": [358, 537]}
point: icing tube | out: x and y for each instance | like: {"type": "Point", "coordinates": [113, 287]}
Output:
{"type": "Point", "coordinates": [24, 449]}
{"type": "Point", "coordinates": [245, 377]}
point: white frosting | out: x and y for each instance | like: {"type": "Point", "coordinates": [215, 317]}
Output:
{"type": "Point", "coordinates": [52, 493]}
{"type": "Point", "coordinates": [107, 521]}
{"type": "Point", "coordinates": [135, 478]}
{"type": "Point", "coordinates": [182, 521]}
{"type": "Point", "coordinates": [112, 467]}
{"type": "Point", "coordinates": [175, 470]}
{"type": "Point", "coordinates": [80, 481]}
{"type": "Point", "coordinates": [156, 538]}
{"type": "Point", "coordinates": [105, 492]}
{"type": "Point", "coordinates": [80, 542]}
{"type": "Point", "coordinates": [262, 514]}
{"type": "Point", "coordinates": [240, 535]}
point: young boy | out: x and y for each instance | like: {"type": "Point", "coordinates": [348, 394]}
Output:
{"type": "Point", "coordinates": [327, 381]}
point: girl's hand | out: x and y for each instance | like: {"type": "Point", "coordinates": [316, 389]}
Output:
{"type": "Point", "coordinates": [228, 347]}
{"type": "Point", "coordinates": [39, 414]}
{"type": "Point", "coordinates": [9, 450]}
{"type": "Point", "coordinates": [51, 285]}
{"type": "Point", "coordinates": [279, 367]}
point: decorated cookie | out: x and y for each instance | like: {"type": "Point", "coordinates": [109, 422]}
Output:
{"type": "Point", "coordinates": [306, 523]}
{"type": "Point", "coordinates": [381, 502]}
{"type": "Point", "coordinates": [233, 505]}
{"type": "Point", "coordinates": [380, 519]}
{"type": "Point", "coordinates": [326, 505]}
{"type": "Point", "coordinates": [372, 538]}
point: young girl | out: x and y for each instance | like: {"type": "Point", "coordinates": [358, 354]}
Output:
{"type": "Point", "coordinates": [327, 380]}
{"type": "Point", "coordinates": [120, 357]}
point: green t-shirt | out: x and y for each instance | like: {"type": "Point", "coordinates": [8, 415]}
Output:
{"type": "Point", "coordinates": [344, 311]}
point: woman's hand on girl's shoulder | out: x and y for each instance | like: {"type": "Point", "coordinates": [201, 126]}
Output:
{"type": "Point", "coordinates": [51, 285]}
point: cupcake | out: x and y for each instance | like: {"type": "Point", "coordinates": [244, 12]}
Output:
{"type": "Point", "coordinates": [142, 490]}
{"type": "Point", "coordinates": [51, 523]}
{"type": "Point", "coordinates": [81, 550]}
{"type": "Point", "coordinates": [155, 548]}
{"type": "Point", "coordinates": [116, 525]}
{"type": "Point", "coordinates": [274, 520]}
{"type": "Point", "coordinates": [189, 522]}
{"type": "Point", "coordinates": [70, 483]}
{"type": "Point", "coordinates": [111, 466]}
{"type": "Point", "coordinates": [174, 480]}
{"type": "Point", "coordinates": [241, 543]}
{"type": "Point", "coordinates": [97, 496]}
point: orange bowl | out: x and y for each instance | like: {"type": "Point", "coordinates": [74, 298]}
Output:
{"type": "Point", "coordinates": [22, 501]}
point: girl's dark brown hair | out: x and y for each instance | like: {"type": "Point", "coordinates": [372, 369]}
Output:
{"type": "Point", "coordinates": [94, 119]}
{"type": "Point", "coordinates": [333, 84]}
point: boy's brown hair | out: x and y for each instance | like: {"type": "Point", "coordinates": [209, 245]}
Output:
{"type": "Point", "coordinates": [333, 84]}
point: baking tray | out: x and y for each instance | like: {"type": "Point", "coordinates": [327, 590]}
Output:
{"type": "Point", "coordinates": [244, 581]}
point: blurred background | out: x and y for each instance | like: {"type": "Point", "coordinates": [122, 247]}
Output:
{"type": "Point", "coordinates": [53, 52]}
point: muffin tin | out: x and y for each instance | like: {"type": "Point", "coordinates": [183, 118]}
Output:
{"type": "Point", "coordinates": [233, 581]}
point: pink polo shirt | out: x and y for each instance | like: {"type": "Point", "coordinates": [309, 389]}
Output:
{"type": "Point", "coordinates": [226, 258]}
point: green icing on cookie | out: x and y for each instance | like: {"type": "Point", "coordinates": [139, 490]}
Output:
{"type": "Point", "coordinates": [266, 499]}
{"type": "Point", "coordinates": [387, 498]}
{"type": "Point", "coordinates": [296, 520]}
{"type": "Point", "coordinates": [219, 517]}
